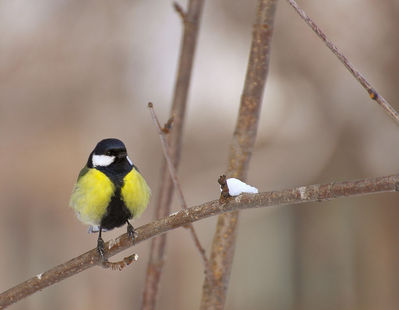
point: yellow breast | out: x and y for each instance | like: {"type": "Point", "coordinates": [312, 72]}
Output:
{"type": "Point", "coordinates": [135, 192]}
{"type": "Point", "coordinates": [91, 196]}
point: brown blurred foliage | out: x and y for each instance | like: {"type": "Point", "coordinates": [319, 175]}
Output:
{"type": "Point", "coordinates": [75, 72]}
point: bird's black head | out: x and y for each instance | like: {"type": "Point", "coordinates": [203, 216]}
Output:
{"type": "Point", "coordinates": [110, 147]}
{"type": "Point", "coordinates": [109, 152]}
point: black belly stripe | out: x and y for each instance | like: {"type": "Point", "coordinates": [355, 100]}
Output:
{"type": "Point", "coordinates": [117, 213]}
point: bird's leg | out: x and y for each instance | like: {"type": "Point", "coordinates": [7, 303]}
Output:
{"type": "Point", "coordinates": [131, 233]}
{"type": "Point", "coordinates": [100, 246]}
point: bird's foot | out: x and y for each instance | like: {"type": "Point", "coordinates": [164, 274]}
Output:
{"type": "Point", "coordinates": [100, 249]}
{"type": "Point", "coordinates": [131, 233]}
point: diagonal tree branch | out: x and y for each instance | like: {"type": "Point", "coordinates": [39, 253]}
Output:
{"type": "Point", "coordinates": [296, 195]}
{"type": "Point", "coordinates": [358, 76]}
{"type": "Point", "coordinates": [191, 21]}
{"type": "Point", "coordinates": [173, 174]}
{"type": "Point", "coordinates": [222, 253]}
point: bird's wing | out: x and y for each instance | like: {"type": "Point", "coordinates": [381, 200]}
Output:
{"type": "Point", "coordinates": [82, 172]}
{"type": "Point", "coordinates": [135, 192]}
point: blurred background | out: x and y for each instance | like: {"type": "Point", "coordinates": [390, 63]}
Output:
{"type": "Point", "coordinates": [73, 72]}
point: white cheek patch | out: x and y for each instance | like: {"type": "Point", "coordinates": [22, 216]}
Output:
{"type": "Point", "coordinates": [130, 162]}
{"type": "Point", "coordinates": [102, 160]}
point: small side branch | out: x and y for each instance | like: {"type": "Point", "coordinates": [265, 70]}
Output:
{"type": "Point", "coordinates": [358, 76]}
{"type": "Point", "coordinates": [296, 195]}
{"type": "Point", "coordinates": [179, 10]}
{"type": "Point", "coordinates": [224, 194]}
{"type": "Point", "coordinates": [121, 264]}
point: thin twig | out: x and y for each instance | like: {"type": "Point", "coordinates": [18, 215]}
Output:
{"type": "Point", "coordinates": [173, 175]}
{"type": "Point", "coordinates": [224, 240]}
{"type": "Point", "coordinates": [358, 76]}
{"type": "Point", "coordinates": [119, 265]}
{"type": "Point", "coordinates": [166, 153]}
{"type": "Point", "coordinates": [157, 251]}
{"type": "Point", "coordinates": [296, 195]}
{"type": "Point", "coordinates": [179, 10]}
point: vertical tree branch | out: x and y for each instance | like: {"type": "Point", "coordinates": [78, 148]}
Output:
{"type": "Point", "coordinates": [157, 251]}
{"type": "Point", "coordinates": [214, 292]}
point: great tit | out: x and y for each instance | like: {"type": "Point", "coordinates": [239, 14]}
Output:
{"type": "Point", "coordinates": [109, 190]}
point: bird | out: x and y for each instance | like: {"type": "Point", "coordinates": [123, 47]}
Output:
{"type": "Point", "coordinates": [109, 191]}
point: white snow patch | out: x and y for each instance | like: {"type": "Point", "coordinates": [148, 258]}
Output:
{"type": "Point", "coordinates": [302, 192]}
{"type": "Point", "coordinates": [39, 276]}
{"type": "Point", "coordinates": [174, 213]}
{"type": "Point", "coordinates": [237, 187]}
{"type": "Point", "coordinates": [111, 243]}
{"type": "Point", "coordinates": [102, 160]}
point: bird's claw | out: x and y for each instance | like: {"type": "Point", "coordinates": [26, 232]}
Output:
{"type": "Point", "coordinates": [100, 249]}
{"type": "Point", "coordinates": [131, 233]}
